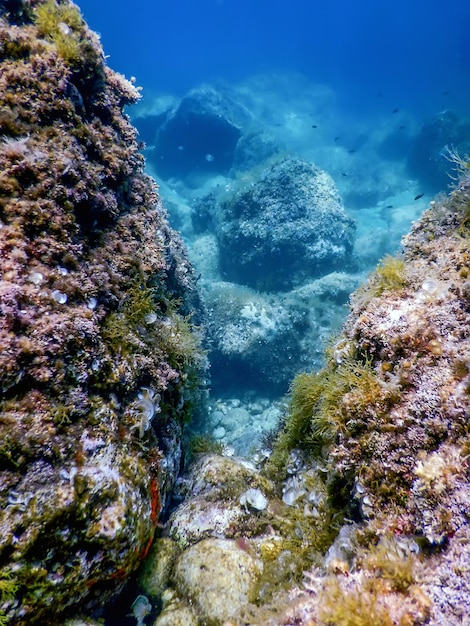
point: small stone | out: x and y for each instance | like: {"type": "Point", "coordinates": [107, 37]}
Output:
{"type": "Point", "coordinates": [219, 432]}
{"type": "Point", "coordinates": [239, 416]}
{"type": "Point", "coordinates": [216, 417]}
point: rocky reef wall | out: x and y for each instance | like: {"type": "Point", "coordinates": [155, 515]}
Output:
{"type": "Point", "coordinates": [100, 361]}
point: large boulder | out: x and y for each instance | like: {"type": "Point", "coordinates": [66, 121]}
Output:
{"type": "Point", "coordinates": [282, 226]}
{"type": "Point", "coordinates": [428, 158]}
{"type": "Point", "coordinates": [98, 362]}
{"type": "Point", "coordinates": [259, 341]}
{"type": "Point", "coordinates": [201, 134]}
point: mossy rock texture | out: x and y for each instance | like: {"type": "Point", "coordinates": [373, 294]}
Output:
{"type": "Point", "coordinates": [100, 356]}
{"type": "Point", "coordinates": [283, 226]}
{"type": "Point", "coordinates": [388, 416]}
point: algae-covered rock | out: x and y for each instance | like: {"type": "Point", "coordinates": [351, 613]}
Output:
{"type": "Point", "coordinates": [284, 225]}
{"type": "Point", "coordinates": [219, 576]}
{"type": "Point", "coordinates": [389, 416]}
{"type": "Point", "coordinates": [156, 572]}
{"type": "Point", "coordinates": [213, 505]}
{"type": "Point", "coordinates": [99, 363]}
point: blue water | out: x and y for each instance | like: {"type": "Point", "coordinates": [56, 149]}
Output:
{"type": "Point", "coordinates": [348, 86]}
{"type": "Point", "coordinates": [411, 54]}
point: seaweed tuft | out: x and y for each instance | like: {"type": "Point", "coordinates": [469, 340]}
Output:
{"type": "Point", "coordinates": [61, 24]}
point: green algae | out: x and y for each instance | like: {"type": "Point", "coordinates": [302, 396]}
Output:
{"type": "Point", "coordinates": [203, 444]}
{"type": "Point", "coordinates": [8, 589]}
{"type": "Point", "coordinates": [62, 24]}
{"type": "Point", "coordinates": [322, 404]}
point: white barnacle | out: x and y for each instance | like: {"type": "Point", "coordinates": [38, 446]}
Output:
{"type": "Point", "coordinates": [432, 289]}
{"type": "Point", "coordinates": [253, 499]}
{"type": "Point", "coordinates": [140, 608]}
{"type": "Point", "coordinates": [18, 500]}
{"type": "Point", "coordinates": [36, 278]}
{"type": "Point", "coordinates": [293, 489]}
{"type": "Point", "coordinates": [151, 318]}
{"type": "Point", "coordinates": [64, 28]}
{"type": "Point", "coordinates": [147, 405]}
{"type": "Point", "coordinates": [59, 296]}
{"type": "Point", "coordinates": [341, 351]}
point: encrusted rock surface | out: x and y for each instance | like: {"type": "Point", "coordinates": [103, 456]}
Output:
{"type": "Point", "coordinates": [396, 444]}
{"type": "Point", "coordinates": [285, 225]}
{"type": "Point", "coordinates": [99, 364]}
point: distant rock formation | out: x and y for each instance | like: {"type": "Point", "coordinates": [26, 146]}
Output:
{"type": "Point", "coordinates": [428, 151]}
{"type": "Point", "coordinates": [99, 363]}
{"type": "Point", "coordinates": [200, 135]}
{"type": "Point", "coordinates": [283, 226]}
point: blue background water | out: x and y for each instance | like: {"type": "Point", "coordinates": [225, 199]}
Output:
{"type": "Point", "coordinates": [409, 51]}
{"type": "Point", "coordinates": [360, 89]}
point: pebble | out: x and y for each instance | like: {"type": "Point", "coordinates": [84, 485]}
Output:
{"type": "Point", "coordinates": [241, 423]}
{"type": "Point", "coordinates": [219, 432]}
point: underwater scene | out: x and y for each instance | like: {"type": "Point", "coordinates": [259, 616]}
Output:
{"type": "Point", "coordinates": [234, 313]}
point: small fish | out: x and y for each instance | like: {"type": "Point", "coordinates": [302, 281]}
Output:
{"type": "Point", "coordinates": [352, 151]}
{"type": "Point", "coordinates": [314, 126]}
{"type": "Point", "coordinates": [395, 110]}
{"type": "Point", "coordinates": [389, 206]}
{"type": "Point", "coordinates": [336, 138]}
{"type": "Point", "coordinates": [344, 174]}
{"type": "Point", "coordinates": [420, 195]}
{"type": "Point", "coordinates": [401, 127]}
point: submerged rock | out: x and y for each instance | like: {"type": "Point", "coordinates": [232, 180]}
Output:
{"type": "Point", "coordinates": [282, 227]}
{"type": "Point", "coordinates": [260, 341]}
{"type": "Point", "coordinates": [372, 460]}
{"type": "Point", "coordinates": [98, 363]}
{"type": "Point", "coordinates": [218, 576]}
{"type": "Point", "coordinates": [428, 155]}
{"type": "Point", "coordinates": [201, 134]}
{"type": "Point", "coordinates": [389, 416]}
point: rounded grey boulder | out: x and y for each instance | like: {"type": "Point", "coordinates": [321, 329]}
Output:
{"type": "Point", "coordinates": [283, 226]}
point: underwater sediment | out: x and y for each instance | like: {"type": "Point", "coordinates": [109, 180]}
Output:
{"type": "Point", "coordinates": [100, 361]}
